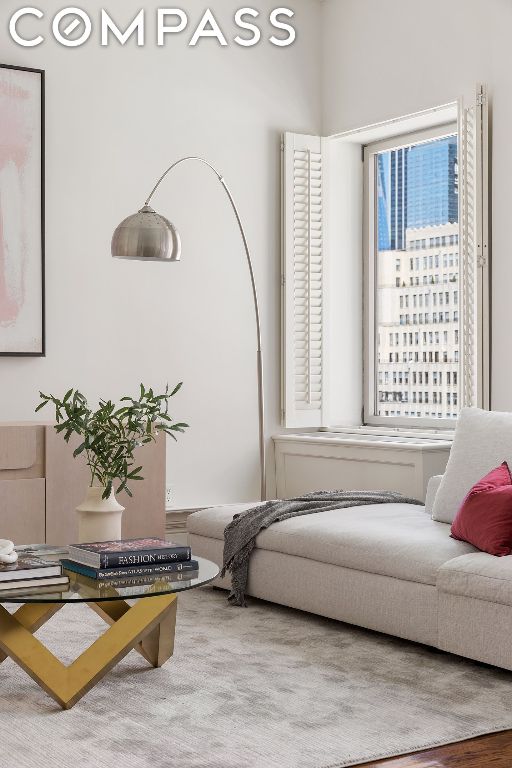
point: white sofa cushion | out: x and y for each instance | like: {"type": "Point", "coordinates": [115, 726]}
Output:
{"type": "Point", "coordinates": [397, 540]}
{"type": "Point", "coordinates": [479, 576]}
{"type": "Point", "coordinates": [483, 440]}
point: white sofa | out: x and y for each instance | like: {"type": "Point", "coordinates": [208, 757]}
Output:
{"type": "Point", "coordinates": [389, 567]}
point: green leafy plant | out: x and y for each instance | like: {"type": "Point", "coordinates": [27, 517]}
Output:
{"type": "Point", "coordinates": [111, 433]}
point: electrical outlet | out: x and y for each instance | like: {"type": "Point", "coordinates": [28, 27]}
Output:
{"type": "Point", "coordinates": [168, 495]}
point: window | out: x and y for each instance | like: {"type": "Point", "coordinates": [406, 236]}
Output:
{"type": "Point", "coordinates": [429, 189]}
{"type": "Point", "coordinates": [399, 234]}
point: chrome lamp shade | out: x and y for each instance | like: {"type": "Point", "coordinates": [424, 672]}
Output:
{"type": "Point", "coordinates": [146, 236]}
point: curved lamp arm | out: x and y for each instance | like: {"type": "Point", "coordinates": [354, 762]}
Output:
{"type": "Point", "coordinates": [261, 405]}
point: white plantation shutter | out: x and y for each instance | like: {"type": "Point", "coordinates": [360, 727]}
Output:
{"type": "Point", "coordinates": [474, 250]}
{"type": "Point", "coordinates": [302, 281]}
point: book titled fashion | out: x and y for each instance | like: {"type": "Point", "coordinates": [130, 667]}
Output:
{"type": "Point", "coordinates": [113, 554]}
{"type": "Point", "coordinates": [31, 568]}
{"type": "Point", "coordinates": [120, 572]}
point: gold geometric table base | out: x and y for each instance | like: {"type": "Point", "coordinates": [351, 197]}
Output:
{"type": "Point", "coordinates": [148, 627]}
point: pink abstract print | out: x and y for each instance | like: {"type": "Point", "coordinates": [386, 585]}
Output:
{"type": "Point", "coordinates": [20, 212]}
{"type": "Point", "coordinates": [14, 149]}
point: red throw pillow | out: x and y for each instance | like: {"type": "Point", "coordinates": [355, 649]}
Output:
{"type": "Point", "coordinates": [485, 516]}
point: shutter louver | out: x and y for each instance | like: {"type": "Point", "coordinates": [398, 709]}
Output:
{"type": "Point", "coordinates": [474, 257]}
{"type": "Point", "coordinates": [303, 276]}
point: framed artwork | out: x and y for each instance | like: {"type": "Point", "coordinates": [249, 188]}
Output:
{"type": "Point", "coordinates": [21, 211]}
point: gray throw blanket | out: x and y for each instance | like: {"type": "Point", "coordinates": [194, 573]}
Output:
{"type": "Point", "coordinates": [240, 534]}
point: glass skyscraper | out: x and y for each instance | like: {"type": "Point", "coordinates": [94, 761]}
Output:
{"type": "Point", "coordinates": [417, 186]}
{"type": "Point", "coordinates": [383, 202]}
{"type": "Point", "coordinates": [392, 186]}
{"type": "Point", "coordinates": [432, 183]}
{"type": "Point", "coordinates": [399, 197]}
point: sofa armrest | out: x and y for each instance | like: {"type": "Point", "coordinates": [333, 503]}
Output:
{"type": "Point", "coordinates": [432, 489]}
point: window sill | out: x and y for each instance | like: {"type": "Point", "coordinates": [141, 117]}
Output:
{"type": "Point", "coordinates": [426, 433]}
{"type": "Point", "coordinates": [373, 437]}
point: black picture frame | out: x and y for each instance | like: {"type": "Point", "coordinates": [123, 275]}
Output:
{"type": "Point", "coordinates": [40, 73]}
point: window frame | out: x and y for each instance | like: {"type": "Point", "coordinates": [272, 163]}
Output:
{"type": "Point", "coordinates": [370, 213]}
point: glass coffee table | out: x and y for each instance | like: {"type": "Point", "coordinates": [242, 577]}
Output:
{"type": "Point", "coordinates": [146, 625]}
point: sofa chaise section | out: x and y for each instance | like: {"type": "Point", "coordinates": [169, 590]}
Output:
{"type": "Point", "coordinates": [375, 566]}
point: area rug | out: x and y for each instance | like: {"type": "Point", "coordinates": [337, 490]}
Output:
{"type": "Point", "coordinates": [260, 687]}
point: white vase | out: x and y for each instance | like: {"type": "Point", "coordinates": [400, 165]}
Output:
{"type": "Point", "coordinates": [99, 519]}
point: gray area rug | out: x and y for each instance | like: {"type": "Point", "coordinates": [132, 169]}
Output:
{"type": "Point", "coordinates": [261, 687]}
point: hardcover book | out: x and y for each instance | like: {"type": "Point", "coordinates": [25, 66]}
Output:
{"type": "Point", "coordinates": [34, 586]}
{"type": "Point", "coordinates": [135, 586]}
{"type": "Point", "coordinates": [113, 554]}
{"type": "Point", "coordinates": [146, 571]}
{"type": "Point", "coordinates": [29, 568]}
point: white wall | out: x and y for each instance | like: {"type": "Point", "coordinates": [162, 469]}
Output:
{"type": "Point", "coordinates": [387, 58]}
{"type": "Point", "coordinates": [115, 118]}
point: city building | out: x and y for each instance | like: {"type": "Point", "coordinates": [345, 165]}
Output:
{"type": "Point", "coordinates": [418, 325]}
{"type": "Point", "coordinates": [392, 182]}
{"type": "Point", "coordinates": [417, 186]}
{"type": "Point", "coordinates": [432, 183]}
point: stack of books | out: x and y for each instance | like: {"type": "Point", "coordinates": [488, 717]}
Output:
{"type": "Point", "coordinates": [29, 572]}
{"type": "Point", "coordinates": [129, 560]}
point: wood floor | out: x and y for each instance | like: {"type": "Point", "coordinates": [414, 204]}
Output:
{"type": "Point", "coordinates": [493, 751]}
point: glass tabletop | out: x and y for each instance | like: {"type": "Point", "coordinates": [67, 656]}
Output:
{"type": "Point", "coordinates": [82, 589]}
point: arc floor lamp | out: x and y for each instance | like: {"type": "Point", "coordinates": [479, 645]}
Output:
{"type": "Point", "coordinates": [148, 236]}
